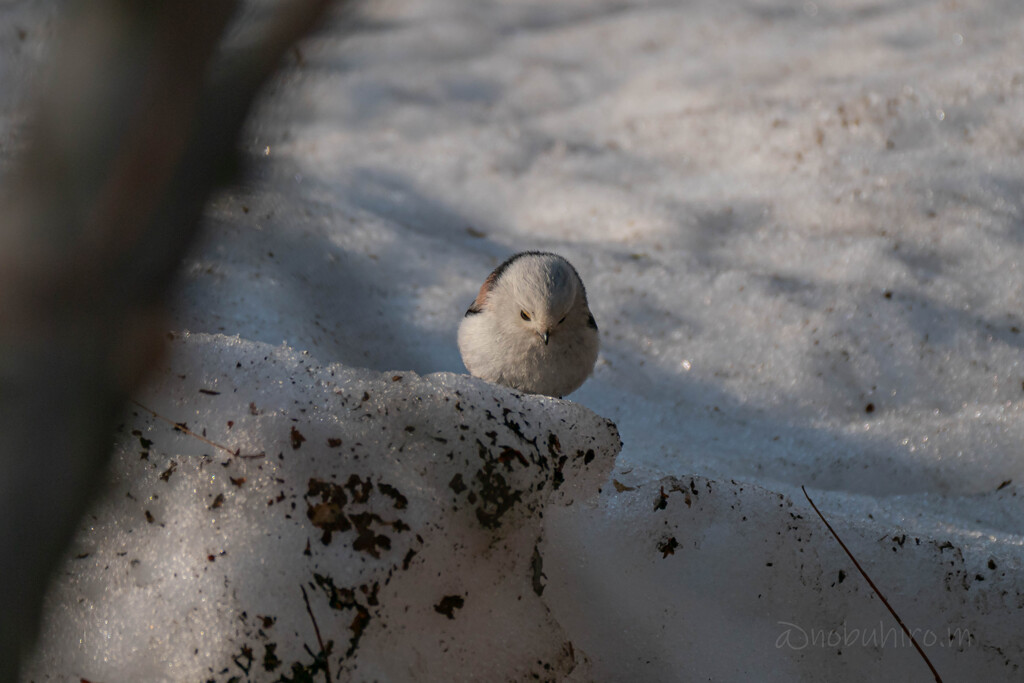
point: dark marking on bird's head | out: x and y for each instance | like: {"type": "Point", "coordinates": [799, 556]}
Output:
{"type": "Point", "coordinates": [492, 279]}
{"type": "Point", "coordinates": [591, 322]}
{"type": "Point", "coordinates": [480, 303]}
{"type": "Point", "coordinates": [497, 272]}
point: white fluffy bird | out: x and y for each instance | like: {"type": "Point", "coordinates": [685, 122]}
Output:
{"type": "Point", "coordinates": [530, 327]}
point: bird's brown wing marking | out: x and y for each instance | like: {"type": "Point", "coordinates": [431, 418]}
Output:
{"type": "Point", "coordinates": [481, 297]}
{"type": "Point", "coordinates": [485, 289]}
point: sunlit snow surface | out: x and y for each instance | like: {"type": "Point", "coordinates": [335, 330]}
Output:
{"type": "Point", "coordinates": [800, 226]}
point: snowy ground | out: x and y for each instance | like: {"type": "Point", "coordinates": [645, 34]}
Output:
{"type": "Point", "coordinates": [801, 226]}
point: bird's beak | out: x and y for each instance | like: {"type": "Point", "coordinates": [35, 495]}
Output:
{"type": "Point", "coordinates": [544, 335]}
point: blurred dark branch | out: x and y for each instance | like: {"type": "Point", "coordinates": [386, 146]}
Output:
{"type": "Point", "coordinates": [137, 126]}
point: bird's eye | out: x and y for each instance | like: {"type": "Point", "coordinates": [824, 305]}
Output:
{"type": "Point", "coordinates": [524, 315]}
{"type": "Point", "coordinates": [563, 319]}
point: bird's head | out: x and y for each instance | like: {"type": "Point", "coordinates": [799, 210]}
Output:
{"type": "Point", "coordinates": [539, 293]}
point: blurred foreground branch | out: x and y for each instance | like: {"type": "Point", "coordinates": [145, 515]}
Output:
{"type": "Point", "coordinates": [137, 126]}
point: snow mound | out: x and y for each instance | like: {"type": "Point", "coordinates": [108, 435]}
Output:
{"type": "Point", "coordinates": [408, 511]}
{"type": "Point", "coordinates": [698, 579]}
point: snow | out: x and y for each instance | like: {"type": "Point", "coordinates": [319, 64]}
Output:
{"type": "Point", "coordinates": [800, 229]}
{"type": "Point", "coordinates": [374, 494]}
